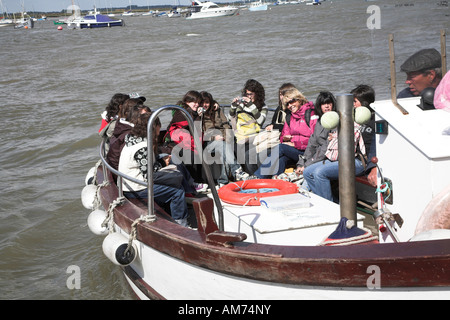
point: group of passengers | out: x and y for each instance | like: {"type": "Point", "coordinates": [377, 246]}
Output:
{"type": "Point", "coordinates": [239, 144]}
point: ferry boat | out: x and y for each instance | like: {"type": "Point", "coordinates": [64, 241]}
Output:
{"type": "Point", "coordinates": [296, 245]}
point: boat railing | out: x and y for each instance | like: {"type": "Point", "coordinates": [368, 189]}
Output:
{"type": "Point", "coordinates": [150, 163]}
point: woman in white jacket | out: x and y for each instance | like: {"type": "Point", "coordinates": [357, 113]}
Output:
{"type": "Point", "coordinates": [133, 162]}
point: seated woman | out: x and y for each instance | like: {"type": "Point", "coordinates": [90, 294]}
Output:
{"type": "Point", "coordinates": [319, 174]}
{"type": "Point", "coordinates": [294, 137]}
{"type": "Point", "coordinates": [133, 162]}
{"type": "Point", "coordinates": [111, 115]}
{"type": "Point", "coordinates": [178, 140]}
{"type": "Point", "coordinates": [318, 142]}
{"type": "Point", "coordinates": [218, 140]}
{"type": "Point", "coordinates": [248, 114]}
{"type": "Point", "coordinates": [123, 126]}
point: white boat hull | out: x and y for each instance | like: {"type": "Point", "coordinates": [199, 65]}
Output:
{"type": "Point", "coordinates": [224, 13]}
{"type": "Point", "coordinates": [174, 279]}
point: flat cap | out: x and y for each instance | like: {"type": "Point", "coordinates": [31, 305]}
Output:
{"type": "Point", "coordinates": [422, 60]}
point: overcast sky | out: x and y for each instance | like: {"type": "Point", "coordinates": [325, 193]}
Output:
{"type": "Point", "coordinates": [58, 5]}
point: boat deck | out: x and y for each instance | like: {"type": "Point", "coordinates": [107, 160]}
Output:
{"type": "Point", "coordinates": [308, 225]}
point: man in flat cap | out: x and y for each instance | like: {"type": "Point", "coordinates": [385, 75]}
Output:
{"type": "Point", "coordinates": [423, 70]}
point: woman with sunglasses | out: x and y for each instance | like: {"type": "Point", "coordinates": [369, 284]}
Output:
{"type": "Point", "coordinates": [294, 137]}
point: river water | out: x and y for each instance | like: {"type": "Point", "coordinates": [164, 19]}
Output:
{"type": "Point", "coordinates": [55, 84]}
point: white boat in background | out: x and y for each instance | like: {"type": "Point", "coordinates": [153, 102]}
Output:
{"type": "Point", "coordinates": [129, 13]}
{"type": "Point", "coordinates": [258, 6]}
{"type": "Point", "coordinates": [314, 3]}
{"type": "Point", "coordinates": [174, 13]}
{"type": "Point", "coordinates": [208, 9]}
{"type": "Point", "coordinates": [4, 22]}
{"type": "Point", "coordinates": [25, 22]}
{"type": "Point", "coordinates": [93, 20]}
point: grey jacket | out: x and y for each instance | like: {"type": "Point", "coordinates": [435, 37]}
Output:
{"type": "Point", "coordinates": [317, 146]}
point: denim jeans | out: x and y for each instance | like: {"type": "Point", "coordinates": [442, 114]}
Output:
{"type": "Point", "coordinates": [224, 154]}
{"type": "Point", "coordinates": [275, 164]}
{"type": "Point", "coordinates": [319, 174]}
{"type": "Point", "coordinates": [164, 194]}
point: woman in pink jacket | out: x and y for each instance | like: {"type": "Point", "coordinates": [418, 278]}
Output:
{"type": "Point", "coordinates": [294, 137]}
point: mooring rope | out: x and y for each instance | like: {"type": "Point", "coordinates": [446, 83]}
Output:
{"type": "Point", "coordinates": [109, 221]}
{"type": "Point", "coordinates": [94, 180]}
{"type": "Point", "coordinates": [97, 203]}
{"type": "Point", "coordinates": [133, 233]}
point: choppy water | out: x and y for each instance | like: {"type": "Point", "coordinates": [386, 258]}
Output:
{"type": "Point", "coordinates": [54, 85]}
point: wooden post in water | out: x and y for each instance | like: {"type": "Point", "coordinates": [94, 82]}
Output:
{"type": "Point", "coordinates": [443, 53]}
{"type": "Point", "coordinates": [346, 151]}
{"type": "Point", "coordinates": [393, 75]}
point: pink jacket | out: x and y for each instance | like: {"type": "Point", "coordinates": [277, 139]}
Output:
{"type": "Point", "coordinates": [298, 128]}
{"type": "Point", "coordinates": [442, 94]}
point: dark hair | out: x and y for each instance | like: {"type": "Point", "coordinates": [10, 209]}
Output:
{"type": "Point", "coordinates": [113, 107]}
{"type": "Point", "coordinates": [127, 106]}
{"type": "Point", "coordinates": [256, 87]}
{"type": "Point", "coordinates": [140, 126]}
{"type": "Point", "coordinates": [190, 96]}
{"type": "Point", "coordinates": [365, 94]}
{"type": "Point", "coordinates": [210, 113]}
{"type": "Point", "coordinates": [324, 97]}
{"type": "Point", "coordinates": [136, 111]}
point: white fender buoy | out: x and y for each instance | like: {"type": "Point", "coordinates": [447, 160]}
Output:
{"type": "Point", "coordinates": [90, 176]}
{"type": "Point", "coordinates": [95, 221]}
{"type": "Point", "coordinates": [88, 195]}
{"type": "Point", "coordinates": [361, 115]}
{"type": "Point", "coordinates": [114, 247]}
{"type": "Point", "coordinates": [330, 120]}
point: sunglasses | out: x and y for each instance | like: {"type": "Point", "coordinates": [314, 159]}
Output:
{"type": "Point", "coordinates": [291, 101]}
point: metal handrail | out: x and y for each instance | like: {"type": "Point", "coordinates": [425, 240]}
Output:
{"type": "Point", "coordinates": [150, 160]}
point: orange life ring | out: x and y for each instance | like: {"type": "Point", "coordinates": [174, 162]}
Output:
{"type": "Point", "coordinates": [230, 193]}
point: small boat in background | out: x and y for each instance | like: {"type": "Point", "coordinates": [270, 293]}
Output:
{"type": "Point", "coordinates": [208, 9]}
{"type": "Point", "coordinates": [24, 22]}
{"type": "Point", "coordinates": [94, 20]}
{"type": "Point", "coordinates": [174, 13]}
{"type": "Point", "coordinates": [4, 22]}
{"type": "Point", "coordinates": [258, 6]}
{"type": "Point", "coordinates": [129, 13]}
{"type": "Point", "coordinates": [314, 3]}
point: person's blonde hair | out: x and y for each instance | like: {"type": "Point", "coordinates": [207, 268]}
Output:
{"type": "Point", "coordinates": [294, 94]}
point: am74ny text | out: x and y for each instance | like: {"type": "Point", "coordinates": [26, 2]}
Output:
{"type": "Point", "coordinates": [240, 309]}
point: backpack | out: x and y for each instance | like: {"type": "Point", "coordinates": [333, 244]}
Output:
{"type": "Point", "coordinates": [307, 117]}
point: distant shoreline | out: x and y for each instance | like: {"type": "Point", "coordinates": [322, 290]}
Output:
{"type": "Point", "coordinates": [116, 10]}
